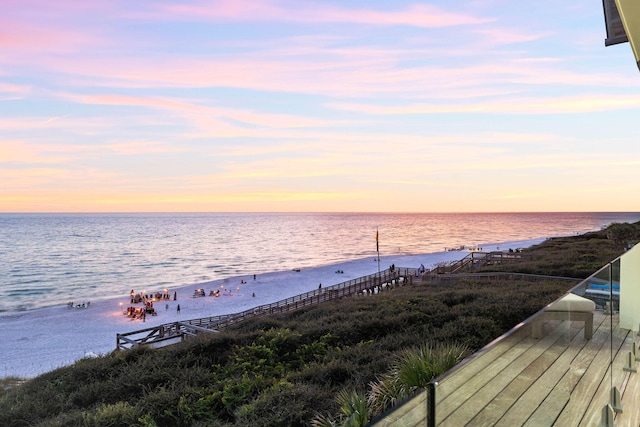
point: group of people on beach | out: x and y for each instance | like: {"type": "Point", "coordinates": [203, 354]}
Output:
{"type": "Point", "coordinates": [143, 297]}
{"type": "Point", "coordinates": [83, 305]}
{"type": "Point", "coordinates": [137, 313]}
{"type": "Point", "coordinates": [212, 293]}
{"type": "Point", "coordinates": [147, 299]}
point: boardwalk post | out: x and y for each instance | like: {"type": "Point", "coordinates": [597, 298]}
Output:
{"type": "Point", "coordinates": [378, 250]}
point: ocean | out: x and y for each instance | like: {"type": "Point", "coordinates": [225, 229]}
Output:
{"type": "Point", "coordinates": [50, 259]}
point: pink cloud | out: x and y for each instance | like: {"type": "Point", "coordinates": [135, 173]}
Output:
{"type": "Point", "coordinates": [302, 66]}
{"type": "Point", "coordinates": [507, 105]}
{"type": "Point", "coordinates": [16, 151]}
{"type": "Point", "coordinates": [130, 147]}
{"type": "Point", "coordinates": [37, 123]}
{"type": "Point", "coordinates": [502, 36]}
{"type": "Point", "coordinates": [350, 73]}
{"type": "Point", "coordinates": [266, 10]}
{"type": "Point", "coordinates": [140, 101]}
{"type": "Point", "coordinates": [207, 115]}
{"type": "Point", "coordinates": [416, 16]}
{"type": "Point", "coordinates": [45, 30]}
{"type": "Point", "coordinates": [223, 9]}
{"type": "Point", "coordinates": [13, 91]}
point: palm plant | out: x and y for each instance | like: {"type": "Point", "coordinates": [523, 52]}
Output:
{"type": "Point", "coordinates": [414, 369]}
{"type": "Point", "coordinates": [353, 412]}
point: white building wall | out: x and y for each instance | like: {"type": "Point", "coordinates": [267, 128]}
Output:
{"type": "Point", "coordinates": [630, 289]}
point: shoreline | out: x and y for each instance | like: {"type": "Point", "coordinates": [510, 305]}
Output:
{"type": "Point", "coordinates": [47, 338]}
{"type": "Point", "coordinates": [95, 258]}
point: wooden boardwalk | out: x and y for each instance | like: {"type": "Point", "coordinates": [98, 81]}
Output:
{"type": "Point", "coordinates": [558, 380]}
{"type": "Point", "coordinates": [170, 333]}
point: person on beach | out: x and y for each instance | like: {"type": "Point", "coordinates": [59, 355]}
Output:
{"type": "Point", "coordinates": [178, 309]}
{"type": "Point", "coordinates": [175, 296]}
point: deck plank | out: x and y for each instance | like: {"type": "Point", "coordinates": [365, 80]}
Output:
{"type": "Point", "coordinates": [468, 398]}
{"type": "Point", "coordinates": [458, 402]}
{"type": "Point", "coordinates": [520, 383]}
{"type": "Point", "coordinates": [630, 399]}
{"type": "Point", "coordinates": [491, 396]}
{"type": "Point", "coordinates": [542, 386]}
{"type": "Point", "coordinates": [558, 399]}
{"type": "Point", "coordinates": [593, 361]}
{"type": "Point", "coordinates": [601, 396]}
{"type": "Point", "coordinates": [469, 370]}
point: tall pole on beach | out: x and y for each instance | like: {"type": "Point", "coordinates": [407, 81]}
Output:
{"type": "Point", "coordinates": [378, 250]}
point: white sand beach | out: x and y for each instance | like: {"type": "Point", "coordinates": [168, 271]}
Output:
{"type": "Point", "coordinates": [38, 341]}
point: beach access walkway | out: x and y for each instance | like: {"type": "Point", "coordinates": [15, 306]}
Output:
{"type": "Point", "coordinates": [170, 333]}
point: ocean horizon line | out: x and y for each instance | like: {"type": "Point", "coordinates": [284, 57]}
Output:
{"type": "Point", "coordinates": [315, 212]}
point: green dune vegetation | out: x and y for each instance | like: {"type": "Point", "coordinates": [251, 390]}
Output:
{"type": "Point", "coordinates": [339, 363]}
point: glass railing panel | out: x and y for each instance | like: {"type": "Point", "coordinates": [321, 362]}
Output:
{"type": "Point", "coordinates": [555, 368]}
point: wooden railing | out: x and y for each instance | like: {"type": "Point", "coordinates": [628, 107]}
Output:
{"type": "Point", "coordinates": [501, 276]}
{"type": "Point", "coordinates": [170, 333]}
{"type": "Point", "coordinates": [167, 333]}
{"type": "Point", "coordinates": [475, 259]}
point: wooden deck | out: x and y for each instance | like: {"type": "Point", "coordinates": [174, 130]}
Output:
{"type": "Point", "coordinates": [561, 379]}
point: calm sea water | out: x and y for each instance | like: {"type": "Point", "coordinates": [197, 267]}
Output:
{"type": "Point", "coordinates": [48, 259]}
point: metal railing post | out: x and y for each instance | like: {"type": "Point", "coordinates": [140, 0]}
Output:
{"type": "Point", "coordinates": [431, 404]}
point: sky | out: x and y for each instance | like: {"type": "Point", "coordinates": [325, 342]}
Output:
{"type": "Point", "coordinates": [315, 106]}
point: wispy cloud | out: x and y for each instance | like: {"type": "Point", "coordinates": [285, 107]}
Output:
{"type": "Point", "coordinates": [207, 116]}
{"type": "Point", "coordinates": [417, 15]}
{"type": "Point", "coordinates": [129, 148]}
{"type": "Point", "coordinates": [13, 91]}
{"type": "Point", "coordinates": [27, 38]}
{"type": "Point", "coordinates": [20, 152]}
{"type": "Point", "coordinates": [537, 106]}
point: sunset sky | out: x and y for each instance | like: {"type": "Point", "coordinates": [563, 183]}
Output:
{"type": "Point", "coordinates": [268, 105]}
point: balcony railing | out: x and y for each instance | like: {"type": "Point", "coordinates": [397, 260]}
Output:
{"type": "Point", "coordinates": [570, 364]}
